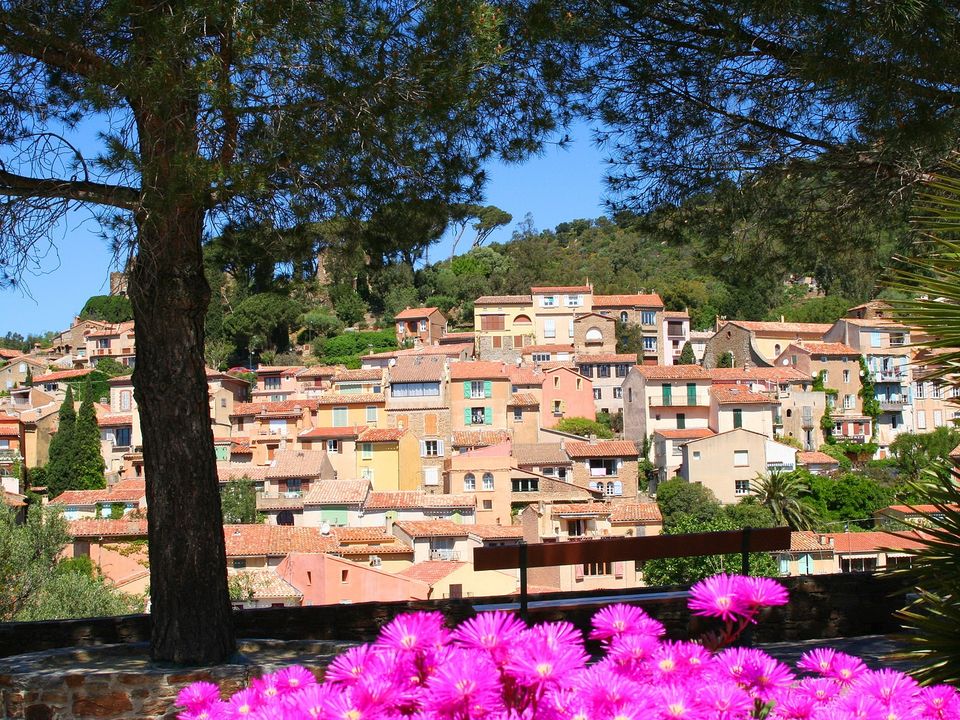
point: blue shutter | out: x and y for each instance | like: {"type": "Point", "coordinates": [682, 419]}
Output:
{"type": "Point", "coordinates": [466, 416]}
{"type": "Point", "coordinates": [466, 390]}
{"type": "Point", "coordinates": [487, 389]}
{"type": "Point", "coordinates": [488, 416]}
{"type": "Point", "coordinates": [617, 488]}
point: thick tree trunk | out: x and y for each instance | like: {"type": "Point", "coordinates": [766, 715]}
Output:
{"type": "Point", "coordinates": [190, 601]}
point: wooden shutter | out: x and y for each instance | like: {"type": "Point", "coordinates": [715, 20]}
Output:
{"type": "Point", "coordinates": [487, 389]}
{"type": "Point", "coordinates": [466, 389]}
{"type": "Point", "coordinates": [466, 416]}
{"type": "Point", "coordinates": [579, 572]}
{"type": "Point", "coordinates": [488, 416]}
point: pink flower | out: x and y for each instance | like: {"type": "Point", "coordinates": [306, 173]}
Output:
{"type": "Point", "coordinates": [349, 666]}
{"type": "Point", "coordinates": [819, 690]}
{"type": "Point", "coordinates": [767, 678]}
{"type": "Point", "coordinates": [295, 677]}
{"type": "Point", "coordinates": [466, 684]}
{"type": "Point", "coordinates": [940, 702]}
{"type": "Point", "coordinates": [819, 660]}
{"type": "Point", "coordinates": [886, 685]}
{"type": "Point", "coordinates": [857, 706]}
{"type": "Point", "coordinates": [726, 700]}
{"type": "Point", "coordinates": [760, 592]}
{"type": "Point", "coordinates": [198, 695]}
{"type": "Point", "coordinates": [243, 703]}
{"type": "Point", "coordinates": [718, 596]}
{"type": "Point", "coordinates": [632, 652]}
{"type": "Point", "coordinates": [545, 655]}
{"type": "Point", "coordinates": [495, 632]}
{"type": "Point", "coordinates": [846, 668]}
{"type": "Point", "coordinates": [266, 687]}
{"type": "Point", "coordinates": [414, 632]}
{"type": "Point", "coordinates": [678, 702]}
{"type": "Point", "coordinates": [616, 620]}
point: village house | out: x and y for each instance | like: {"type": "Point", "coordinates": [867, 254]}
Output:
{"type": "Point", "coordinates": [751, 343]}
{"type": "Point", "coordinates": [479, 392]}
{"type": "Point", "coordinates": [276, 383]}
{"type": "Point", "coordinates": [382, 509]}
{"type": "Point", "coordinates": [665, 397]}
{"type": "Point", "coordinates": [566, 394]}
{"type": "Point", "coordinates": [606, 371]}
{"type": "Point", "coordinates": [644, 310]}
{"type": "Point", "coordinates": [15, 372]}
{"type": "Point", "coordinates": [115, 341]}
{"type": "Point", "coordinates": [668, 451]}
{"type": "Point", "coordinates": [420, 326]}
{"type": "Point", "coordinates": [676, 334]}
{"type": "Point", "coordinates": [340, 444]}
{"type": "Point", "coordinates": [487, 474]}
{"type": "Point", "coordinates": [594, 333]}
{"type": "Point", "coordinates": [121, 498]}
{"type": "Point", "coordinates": [736, 406]}
{"type": "Point", "coordinates": [389, 459]}
{"type": "Point", "coordinates": [607, 466]}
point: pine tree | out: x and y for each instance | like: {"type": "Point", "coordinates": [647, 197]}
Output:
{"type": "Point", "coordinates": [686, 355]}
{"type": "Point", "coordinates": [87, 461]}
{"type": "Point", "coordinates": [58, 472]}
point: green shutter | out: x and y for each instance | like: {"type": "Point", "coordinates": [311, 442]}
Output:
{"type": "Point", "coordinates": [667, 394]}
{"type": "Point", "coordinates": [488, 416]}
{"type": "Point", "coordinates": [466, 390]}
{"type": "Point", "coordinates": [487, 389]}
{"type": "Point", "coordinates": [738, 418]}
{"type": "Point", "coordinates": [691, 393]}
{"type": "Point", "coordinates": [466, 416]}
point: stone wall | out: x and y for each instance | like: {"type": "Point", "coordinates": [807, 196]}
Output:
{"type": "Point", "coordinates": [81, 680]}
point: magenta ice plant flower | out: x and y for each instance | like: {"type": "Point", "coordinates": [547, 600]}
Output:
{"type": "Point", "coordinates": [719, 596]}
{"type": "Point", "coordinates": [757, 592]}
{"type": "Point", "coordinates": [494, 632]}
{"type": "Point", "coordinates": [618, 620]}
{"type": "Point", "coordinates": [414, 632]}
{"type": "Point", "coordinates": [198, 695]}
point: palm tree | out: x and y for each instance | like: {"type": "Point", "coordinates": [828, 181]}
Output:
{"type": "Point", "coordinates": [786, 496]}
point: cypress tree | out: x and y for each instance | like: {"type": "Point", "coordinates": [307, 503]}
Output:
{"type": "Point", "coordinates": [58, 474]}
{"type": "Point", "coordinates": [686, 355]}
{"type": "Point", "coordinates": [86, 457]}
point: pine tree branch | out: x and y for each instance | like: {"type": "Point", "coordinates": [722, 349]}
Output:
{"type": "Point", "coordinates": [117, 196]}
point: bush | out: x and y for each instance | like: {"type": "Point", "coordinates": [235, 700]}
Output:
{"type": "Point", "coordinates": [584, 427]}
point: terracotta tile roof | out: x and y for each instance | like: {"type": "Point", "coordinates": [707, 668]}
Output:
{"type": "Point", "coordinates": [685, 434]}
{"type": "Point", "coordinates": [815, 457]}
{"type": "Point", "coordinates": [358, 374]}
{"type": "Point", "coordinates": [428, 368]}
{"type": "Point", "coordinates": [264, 584]}
{"type": "Point", "coordinates": [111, 420]}
{"type": "Point", "coordinates": [478, 370]}
{"type": "Point", "coordinates": [432, 528]}
{"type": "Point", "coordinates": [279, 406]}
{"type": "Point", "coordinates": [62, 375]}
{"type": "Point", "coordinates": [9, 354]}
{"type": "Point", "coordinates": [128, 491]}
{"type": "Point", "coordinates": [230, 471]}
{"type": "Point", "coordinates": [415, 313]}
{"type": "Point", "coordinates": [14, 499]}
{"type": "Point", "coordinates": [523, 400]}
{"type": "Point", "coordinates": [865, 542]}
{"type": "Point", "coordinates": [431, 571]}
{"type": "Point", "coordinates": [281, 369]}
{"type": "Point", "coordinates": [636, 300]}
{"type": "Point", "coordinates": [373, 435]}
{"type": "Point", "coordinates": [496, 532]}
{"type": "Point", "coordinates": [417, 500]}
{"type": "Point", "coordinates": [916, 509]}
{"type": "Point", "coordinates": [806, 541]}
{"type": "Point", "coordinates": [784, 328]}
{"type": "Point", "coordinates": [540, 454]}
{"type": "Point", "coordinates": [394, 548]}
{"type": "Point", "coordinates": [332, 433]}
{"type": "Point", "coordinates": [461, 336]}
{"type": "Point", "coordinates": [350, 399]}
{"type": "Point", "coordinates": [362, 535]}
{"type": "Point", "coordinates": [503, 300]}
{"type": "Point", "coordinates": [320, 371]}
{"type": "Point", "coordinates": [336, 492]}
{"type": "Point", "coordinates": [587, 508]}
{"type": "Point", "coordinates": [673, 372]}
{"type": "Point", "coordinates": [10, 430]}
{"type": "Point", "coordinates": [600, 358]}
{"type": "Point", "coordinates": [296, 464]}
{"type": "Point", "coordinates": [548, 348]}
{"type": "Point", "coordinates": [479, 438]}
{"type": "Point", "coordinates": [560, 289]}
{"type": "Point", "coordinates": [677, 314]}
{"type": "Point", "coordinates": [449, 350]}
{"type": "Point", "coordinates": [884, 323]}
{"type": "Point", "coordinates": [635, 513]}
{"type": "Point", "coordinates": [757, 374]}
{"type": "Point", "coordinates": [112, 528]}
{"type": "Point", "coordinates": [257, 540]}
{"type": "Point", "coordinates": [525, 375]}
{"type": "Point", "coordinates": [825, 348]}
{"type": "Point", "coordinates": [112, 329]}
{"type": "Point", "coordinates": [739, 395]}
{"type": "Point", "coordinates": [602, 448]}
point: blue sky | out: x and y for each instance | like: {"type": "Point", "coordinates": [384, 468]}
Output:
{"type": "Point", "coordinates": [557, 186]}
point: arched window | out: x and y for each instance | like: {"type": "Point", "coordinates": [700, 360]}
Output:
{"type": "Point", "coordinates": [789, 412]}
{"type": "Point", "coordinates": [522, 320]}
{"type": "Point", "coordinates": [285, 517]}
{"type": "Point", "coordinates": [609, 488]}
{"type": "Point", "coordinates": [594, 335]}
{"type": "Point", "coordinates": [469, 482]}
{"type": "Point", "coordinates": [623, 316]}
{"type": "Point", "coordinates": [488, 481]}
{"type": "Point", "coordinates": [776, 349]}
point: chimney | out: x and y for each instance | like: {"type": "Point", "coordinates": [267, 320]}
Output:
{"type": "Point", "coordinates": [592, 439]}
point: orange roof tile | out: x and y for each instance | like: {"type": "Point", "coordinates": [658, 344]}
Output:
{"type": "Point", "coordinates": [129, 491]}
{"type": "Point", "coordinates": [417, 500]}
{"type": "Point", "coordinates": [757, 374]}
{"type": "Point", "coordinates": [62, 375]}
{"type": "Point", "coordinates": [496, 532]}
{"type": "Point", "coordinates": [362, 535]}
{"type": "Point", "coordinates": [279, 406]}
{"type": "Point", "coordinates": [9, 430]}
{"type": "Point", "coordinates": [296, 464]}
{"type": "Point", "coordinates": [428, 368]}
{"type": "Point", "coordinates": [739, 395]}
{"type": "Point", "coordinates": [449, 350]}
{"type": "Point", "coordinates": [635, 300]}
{"type": "Point", "coordinates": [332, 433]}
{"type": "Point", "coordinates": [279, 369]}
{"type": "Point", "coordinates": [815, 457]}
{"type": "Point", "coordinates": [784, 328]}
{"type": "Point", "coordinates": [917, 509]}
{"type": "Point", "coordinates": [255, 540]}
{"type": "Point", "coordinates": [350, 399]}
{"type": "Point", "coordinates": [673, 372]}
{"type": "Point", "coordinates": [523, 400]}
{"type": "Point", "coordinates": [8, 354]}
{"type": "Point", "coordinates": [373, 435]}
{"type": "Point", "coordinates": [560, 289]}
{"type": "Point", "coordinates": [478, 370]}
{"type": "Point", "coordinates": [685, 433]}
{"type": "Point", "coordinates": [104, 528]}
{"type": "Point", "coordinates": [238, 471]}
{"type": "Point", "coordinates": [265, 584]}
{"type": "Point", "coordinates": [677, 314]}
{"type": "Point", "coordinates": [865, 542]}
{"type": "Point", "coordinates": [587, 508]}
{"type": "Point", "coordinates": [479, 438]}
{"type": "Point", "coordinates": [333, 492]}
{"type": "Point", "coordinates": [503, 300]}
{"type": "Point", "coordinates": [318, 371]}
{"type": "Point", "coordinates": [540, 454]}
{"type": "Point", "coordinates": [525, 375]}
{"type": "Point", "coordinates": [431, 571]}
{"type": "Point", "coordinates": [358, 375]}
{"type": "Point", "coordinates": [825, 348]}
{"type": "Point", "coordinates": [635, 513]}
{"type": "Point", "coordinates": [432, 528]}
{"type": "Point", "coordinates": [806, 541]}
{"type": "Point", "coordinates": [448, 500]}
{"type": "Point", "coordinates": [415, 313]}
{"type": "Point", "coordinates": [111, 420]}
{"type": "Point", "coordinates": [14, 500]}
{"type": "Point", "coordinates": [601, 448]}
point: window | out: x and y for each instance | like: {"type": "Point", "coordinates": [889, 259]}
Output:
{"type": "Point", "coordinates": [522, 320]}
{"type": "Point", "coordinates": [497, 342]}
{"type": "Point", "coordinates": [624, 316]}
{"type": "Point", "coordinates": [938, 418]}
{"type": "Point", "coordinates": [649, 344]}
{"type": "Point", "coordinates": [344, 574]}
{"type": "Point", "coordinates": [478, 416]}
{"type": "Point", "coordinates": [597, 394]}
{"type": "Point", "coordinates": [478, 389]}
{"type": "Point", "coordinates": [333, 446]}
{"type": "Point", "coordinates": [602, 467]}
{"type": "Point", "coordinates": [541, 357]}
{"type": "Point", "coordinates": [597, 568]}
{"type": "Point", "coordinates": [492, 322]}
{"type": "Point", "coordinates": [469, 482]}
{"type": "Point", "coordinates": [603, 371]}
{"type": "Point", "coordinates": [518, 414]}
{"type": "Point", "coordinates": [487, 481]}
{"type": "Point", "coordinates": [737, 418]}
{"type": "Point", "coordinates": [294, 487]}
{"type": "Point", "coordinates": [826, 376]}
{"type": "Point", "coordinates": [629, 394]}
{"type": "Point", "coordinates": [366, 451]}
{"type": "Point", "coordinates": [239, 563]}
{"type": "Point", "coordinates": [550, 328]}
{"type": "Point", "coordinates": [556, 381]}
{"type": "Point", "coordinates": [548, 301]}
{"type": "Point", "coordinates": [102, 344]}
{"type": "Point", "coordinates": [617, 393]}
{"type": "Point", "coordinates": [875, 340]}
{"type": "Point", "coordinates": [574, 300]}
{"type": "Point", "coordinates": [696, 454]}
{"type": "Point", "coordinates": [423, 326]}
{"type": "Point", "coordinates": [861, 564]}
{"type": "Point", "coordinates": [848, 402]}
{"type": "Point", "coordinates": [431, 476]}
{"type": "Point", "coordinates": [579, 383]}
{"type": "Point", "coordinates": [918, 390]}
{"type": "Point", "coordinates": [431, 448]}
{"type": "Point", "coordinates": [488, 504]}
{"type": "Point", "coordinates": [742, 487]}
{"type": "Point", "coordinates": [648, 317]}
{"type": "Point", "coordinates": [414, 389]}
{"type": "Point", "coordinates": [122, 436]}
{"type": "Point", "coordinates": [921, 420]}
{"type": "Point", "coordinates": [525, 485]}
{"type": "Point", "coordinates": [570, 329]}
{"type": "Point", "coordinates": [776, 349]}
{"type": "Point", "coordinates": [593, 336]}
{"type": "Point", "coordinates": [125, 400]}
{"type": "Point", "coordinates": [558, 407]}
{"type": "Point", "coordinates": [340, 416]}
{"type": "Point", "coordinates": [741, 458]}
{"type": "Point", "coordinates": [846, 376]}
{"type": "Point", "coordinates": [223, 402]}
{"type": "Point", "coordinates": [371, 414]}
{"type": "Point", "coordinates": [936, 391]}
{"type": "Point", "coordinates": [271, 382]}
{"type": "Point", "coordinates": [575, 528]}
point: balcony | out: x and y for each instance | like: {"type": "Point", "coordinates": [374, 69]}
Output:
{"type": "Point", "coordinates": [279, 501]}
{"type": "Point", "coordinates": [10, 456]}
{"type": "Point", "coordinates": [888, 375]}
{"type": "Point", "coordinates": [445, 555]}
{"type": "Point", "coordinates": [680, 400]}
{"type": "Point", "coordinates": [894, 403]}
